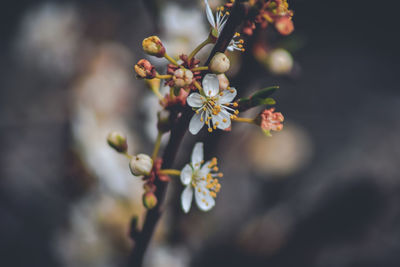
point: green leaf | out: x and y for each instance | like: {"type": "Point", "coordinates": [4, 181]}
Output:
{"type": "Point", "coordinates": [264, 93]}
{"type": "Point", "coordinates": [266, 101]}
{"type": "Point", "coordinates": [267, 132]}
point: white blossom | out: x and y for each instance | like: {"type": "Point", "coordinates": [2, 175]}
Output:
{"type": "Point", "coordinates": [212, 106]}
{"type": "Point", "coordinates": [200, 179]}
{"type": "Point", "coordinates": [217, 25]}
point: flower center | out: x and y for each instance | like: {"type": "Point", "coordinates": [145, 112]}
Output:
{"type": "Point", "coordinates": [211, 179]}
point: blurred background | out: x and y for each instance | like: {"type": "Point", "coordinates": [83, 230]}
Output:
{"type": "Point", "coordinates": [324, 192]}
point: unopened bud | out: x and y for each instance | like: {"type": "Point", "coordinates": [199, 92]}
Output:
{"type": "Point", "coordinates": [153, 46]}
{"type": "Point", "coordinates": [117, 141]}
{"type": "Point", "coordinates": [284, 25]}
{"type": "Point", "coordinates": [141, 164]}
{"type": "Point", "coordinates": [219, 63]}
{"type": "Point", "coordinates": [223, 82]}
{"type": "Point", "coordinates": [149, 200]}
{"type": "Point", "coordinates": [145, 70]}
{"type": "Point", "coordinates": [182, 78]}
{"type": "Point", "coordinates": [280, 61]}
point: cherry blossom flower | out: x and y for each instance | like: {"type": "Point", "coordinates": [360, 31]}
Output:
{"type": "Point", "coordinates": [212, 107]}
{"type": "Point", "coordinates": [218, 23]}
{"type": "Point", "coordinates": [201, 179]}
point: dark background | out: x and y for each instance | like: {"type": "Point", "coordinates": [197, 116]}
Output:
{"type": "Point", "coordinates": [343, 204]}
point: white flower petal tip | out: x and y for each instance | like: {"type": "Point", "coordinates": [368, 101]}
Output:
{"type": "Point", "coordinates": [210, 16]}
{"type": "Point", "coordinates": [203, 183]}
{"type": "Point", "coordinates": [195, 124]}
{"type": "Point", "coordinates": [197, 155]}
{"type": "Point", "coordinates": [211, 85]}
{"type": "Point", "coordinates": [186, 198]}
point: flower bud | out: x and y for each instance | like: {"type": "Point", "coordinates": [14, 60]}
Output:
{"type": "Point", "coordinates": [284, 25]}
{"type": "Point", "coordinates": [145, 70]}
{"type": "Point", "coordinates": [149, 200]}
{"type": "Point", "coordinates": [153, 46]}
{"type": "Point", "coordinates": [219, 63]}
{"type": "Point", "coordinates": [117, 141]}
{"type": "Point", "coordinates": [280, 61]}
{"type": "Point", "coordinates": [223, 82]}
{"type": "Point", "coordinates": [182, 78]}
{"type": "Point", "coordinates": [141, 164]}
{"type": "Point", "coordinates": [270, 120]}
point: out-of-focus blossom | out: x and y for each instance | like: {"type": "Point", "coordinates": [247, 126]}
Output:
{"type": "Point", "coordinates": [287, 152]}
{"type": "Point", "coordinates": [167, 256]}
{"type": "Point", "coordinates": [100, 104]}
{"type": "Point", "coordinates": [96, 232]}
{"type": "Point", "coordinates": [50, 38]}
{"type": "Point", "coordinates": [177, 34]}
{"type": "Point", "coordinates": [279, 61]}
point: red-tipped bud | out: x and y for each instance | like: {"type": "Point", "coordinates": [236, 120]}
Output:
{"type": "Point", "coordinates": [145, 70]}
{"type": "Point", "coordinates": [153, 46]}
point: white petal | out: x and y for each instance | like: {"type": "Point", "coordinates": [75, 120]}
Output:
{"type": "Point", "coordinates": [204, 170]}
{"type": "Point", "coordinates": [186, 174]}
{"type": "Point", "coordinates": [227, 96]}
{"type": "Point", "coordinates": [197, 155]}
{"type": "Point", "coordinates": [204, 201]}
{"type": "Point", "coordinates": [220, 119]}
{"type": "Point", "coordinates": [195, 100]}
{"type": "Point", "coordinates": [211, 85]}
{"type": "Point", "coordinates": [195, 124]}
{"type": "Point", "coordinates": [210, 16]}
{"type": "Point", "coordinates": [186, 198]}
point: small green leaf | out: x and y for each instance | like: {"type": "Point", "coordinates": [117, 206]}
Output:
{"type": "Point", "coordinates": [264, 93]}
{"type": "Point", "coordinates": [267, 132]}
{"type": "Point", "coordinates": [259, 98]}
{"type": "Point", "coordinates": [266, 101]}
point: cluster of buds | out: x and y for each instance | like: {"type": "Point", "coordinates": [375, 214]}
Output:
{"type": "Point", "coordinates": [274, 12]}
{"type": "Point", "coordinates": [183, 75]}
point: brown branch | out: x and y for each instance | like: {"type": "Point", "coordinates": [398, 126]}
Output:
{"type": "Point", "coordinates": [236, 18]}
{"type": "Point", "coordinates": [142, 239]}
